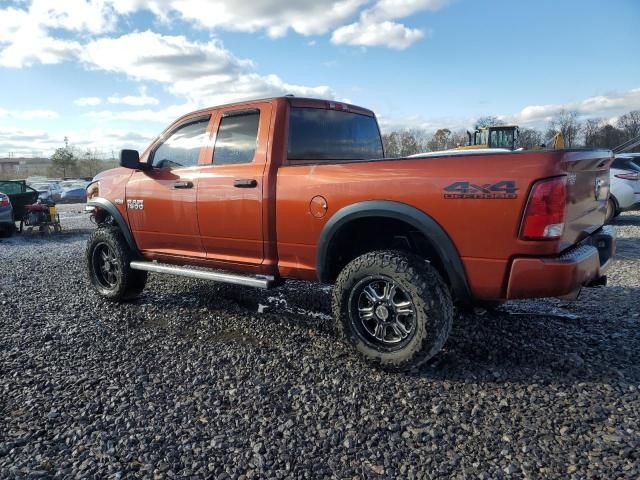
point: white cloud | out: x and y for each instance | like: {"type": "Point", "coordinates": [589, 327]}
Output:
{"type": "Point", "coordinates": [32, 46]}
{"type": "Point", "coordinates": [389, 9]}
{"type": "Point", "coordinates": [608, 105]}
{"type": "Point", "coordinates": [134, 100]}
{"type": "Point", "coordinates": [386, 34]}
{"type": "Point", "coordinates": [26, 28]}
{"type": "Point", "coordinates": [32, 142]}
{"type": "Point", "coordinates": [202, 73]}
{"type": "Point", "coordinates": [27, 114]}
{"type": "Point", "coordinates": [163, 115]}
{"type": "Point", "coordinates": [93, 16]}
{"type": "Point", "coordinates": [275, 17]}
{"type": "Point", "coordinates": [87, 101]}
{"type": "Point", "coordinates": [376, 28]}
{"type": "Point", "coordinates": [24, 33]}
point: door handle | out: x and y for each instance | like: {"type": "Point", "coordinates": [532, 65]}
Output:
{"type": "Point", "coordinates": [245, 183]}
{"type": "Point", "coordinates": [183, 184]}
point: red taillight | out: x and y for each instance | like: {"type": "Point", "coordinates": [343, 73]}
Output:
{"type": "Point", "coordinates": [4, 201]}
{"type": "Point", "coordinates": [544, 215]}
{"type": "Point", "coordinates": [628, 176]}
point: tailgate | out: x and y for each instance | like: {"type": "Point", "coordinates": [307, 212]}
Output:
{"type": "Point", "coordinates": [587, 192]}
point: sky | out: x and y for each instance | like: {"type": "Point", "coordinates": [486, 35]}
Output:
{"type": "Point", "coordinates": [111, 74]}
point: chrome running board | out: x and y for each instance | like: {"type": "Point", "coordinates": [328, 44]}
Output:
{"type": "Point", "coordinates": [256, 281]}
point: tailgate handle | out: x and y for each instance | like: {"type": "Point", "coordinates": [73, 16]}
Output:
{"type": "Point", "coordinates": [183, 184]}
{"type": "Point", "coordinates": [245, 183]}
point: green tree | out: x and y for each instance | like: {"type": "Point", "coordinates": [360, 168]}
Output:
{"type": "Point", "coordinates": [63, 161]}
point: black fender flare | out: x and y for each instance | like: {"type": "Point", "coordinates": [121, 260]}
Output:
{"type": "Point", "coordinates": [435, 234]}
{"type": "Point", "coordinates": [110, 208]}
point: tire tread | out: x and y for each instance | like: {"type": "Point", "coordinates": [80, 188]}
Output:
{"type": "Point", "coordinates": [427, 284]}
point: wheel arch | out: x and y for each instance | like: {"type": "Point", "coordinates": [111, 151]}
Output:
{"type": "Point", "coordinates": [108, 207]}
{"type": "Point", "coordinates": [438, 239]}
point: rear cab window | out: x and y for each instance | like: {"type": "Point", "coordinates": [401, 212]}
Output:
{"type": "Point", "coordinates": [322, 135]}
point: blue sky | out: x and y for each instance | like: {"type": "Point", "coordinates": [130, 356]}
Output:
{"type": "Point", "coordinates": [113, 73]}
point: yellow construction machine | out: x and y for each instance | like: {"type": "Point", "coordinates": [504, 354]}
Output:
{"type": "Point", "coordinates": [505, 136]}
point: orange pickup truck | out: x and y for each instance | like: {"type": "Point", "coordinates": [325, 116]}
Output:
{"type": "Point", "coordinates": [258, 192]}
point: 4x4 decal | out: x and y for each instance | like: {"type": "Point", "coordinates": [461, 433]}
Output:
{"type": "Point", "coordinates": [502, 190]}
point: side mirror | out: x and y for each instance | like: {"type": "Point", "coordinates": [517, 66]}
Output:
{"type": "Point", "coordinates": [130, 159]}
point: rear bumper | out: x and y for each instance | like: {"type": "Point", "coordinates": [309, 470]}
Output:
{"type": "Point", "coordinates": [584, 264]}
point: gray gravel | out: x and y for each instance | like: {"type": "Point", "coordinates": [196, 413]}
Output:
{"type": "Point", "coordinates": [202, 380]}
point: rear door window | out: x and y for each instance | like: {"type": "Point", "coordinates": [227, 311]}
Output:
{"type": "Point", "coordinates": [237, 138]}
{"type": "Point", "coordinates": [326, 135]}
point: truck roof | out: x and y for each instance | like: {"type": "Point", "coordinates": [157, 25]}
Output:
{"type": "Point", "coordinates": [292, 100]}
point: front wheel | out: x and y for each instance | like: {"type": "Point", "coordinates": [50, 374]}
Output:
{"type": "Point", "coordinates": [394, 308]}
{"type": "Point", "coordinates": [108, 257]}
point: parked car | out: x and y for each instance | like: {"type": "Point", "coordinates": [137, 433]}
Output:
{"type": "Point", "coordinates": [44, 191]}
{"type": "Point", "coordinates": [55, 189]}
{"type": "Point", "coordinates": [295, 188]}
{"type": "Point", "coordinates": [20, 196]}
{"type": "Point", "coordinates": [627, 161]}
{"type": "Point", "coordinates": [7, 220]}
{"type": "Point", "coordinates": [625, 185]}
{"type": "Point", "coordinates": [76, 194]}
{"type": "Point", "coordinates": [68, 184]}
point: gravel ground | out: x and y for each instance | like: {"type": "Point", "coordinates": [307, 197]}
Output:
{"type": "Point", "coordinates": [202, 380]}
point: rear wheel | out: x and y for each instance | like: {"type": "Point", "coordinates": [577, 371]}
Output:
{"type": "Point", "coordinates": [394, 308]}
{"type": "Point", "coordinates": [108, 257]}
{"type": "Point", "coordinates": [612, 209]}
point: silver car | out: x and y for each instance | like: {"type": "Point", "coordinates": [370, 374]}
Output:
{"type": "Point", "coordinates": [7, 224]}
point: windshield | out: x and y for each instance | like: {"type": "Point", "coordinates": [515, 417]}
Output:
{"type": "Point", "coordinates": [319, 134]}
{"type": "Point", "coordinates": [502, 138]}
{"type": "Point", "coordinates": [481, 137]}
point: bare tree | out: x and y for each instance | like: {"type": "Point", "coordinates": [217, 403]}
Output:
{"type": "Point", "coordinates": [90, 164]}
{"type": "Point", "coordinates": [529, 138]}
{"type": "Point", "coordinates": [391, 143]}
{"type": "Point", "coordinates": [457, 139]}
{"type": "Point", "coordinates": [408, 144]}
{"type": "Point", "coordinates": [610, 136]}
{"type": "Point", "coordinates": [403, 143]}
{"type": "Point", "coordinates": [592, 132]}
{"type": "Point", "coordinates": [567, 123]}
{"type": "Point", "coordinates": [629, 123]}
{"type": "Point", "coordinates": [440, 140]}
{"type": "Point", "coordinates": [488, 121]}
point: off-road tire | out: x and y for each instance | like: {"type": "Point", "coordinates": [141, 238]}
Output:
{"type": "Point", "coordinates": [128, 283]}
{"type": "Point", "coordinates": [422, 284]}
